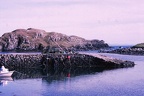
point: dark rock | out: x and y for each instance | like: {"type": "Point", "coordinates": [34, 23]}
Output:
{"type": "Point", "coordinates": [56, 61]}
{"type": "Point", "coordinates": [140, 45]}
{"type": "Point", "coordinates": [109, 62]}
{"type": "Point", "coordinates": [36, 40]}
{"type": "Point", "coordinates": [127, 51]}
{"type": "Point", "coordinates": [137, 49]}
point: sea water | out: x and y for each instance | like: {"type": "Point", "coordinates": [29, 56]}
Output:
{"type": "Point", "coordinates": [117, 82]}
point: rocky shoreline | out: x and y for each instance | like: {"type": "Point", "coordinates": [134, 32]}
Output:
{"type": "Point", "coordinates": [54, 61]}
{"type": "Point", "coordinates": [56, 51]}
{"type": "Point", "coordinates": [126, 51]}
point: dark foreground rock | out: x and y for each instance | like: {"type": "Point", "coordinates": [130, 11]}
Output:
{"type": "Point", "coordinates": [56, 61]}
{"type": "Point", "coordinates": [38, 40]}
{"type": "Point", "coordinates": [109, 61]}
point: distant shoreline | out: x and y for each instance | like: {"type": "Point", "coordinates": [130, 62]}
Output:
{"type": "Point", "coordinates": [126, 51]}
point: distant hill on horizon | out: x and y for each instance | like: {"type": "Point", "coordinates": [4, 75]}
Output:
{"type": "Point", "coordinates": [36, 40]}
{"type": "Point", "coordinates": [140, 45]}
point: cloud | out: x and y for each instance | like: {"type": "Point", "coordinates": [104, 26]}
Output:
{"type": "Point", "coordinates": [87, 18]}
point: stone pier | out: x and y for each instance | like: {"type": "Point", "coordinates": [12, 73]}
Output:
{"type": "Point", "coordinates": [55, 61]}
{"type": "Point", "coordinates": [21, 60]}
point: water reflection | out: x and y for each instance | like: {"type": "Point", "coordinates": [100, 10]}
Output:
{"type": "Point", "coordinates": [5, 80]}
{"type": "Point", "coordinates": [59, 74]}
{"type": "Point", "coordinates": [27, 73]}
{"type": "Point", "coordinates": [78, 81]}
{"type": "Point", "coordinates": [54, 74]}
{"type": "Point", "coordinates": [62, 74]}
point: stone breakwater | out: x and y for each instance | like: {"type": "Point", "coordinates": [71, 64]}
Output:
{"type": "Point", "coordinates": [55, 61]}
{"type": "Point", "coordinates": [23, 60]}
{"type": "Point", "coordinates": [110, 62]}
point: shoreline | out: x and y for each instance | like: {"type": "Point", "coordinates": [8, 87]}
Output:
{"type": "Point", "coordinates": [53, 60]}
{"type": "Point", "coordinates": [126, 51]}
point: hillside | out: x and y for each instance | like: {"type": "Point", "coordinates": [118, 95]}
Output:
{"type": "Point", "coordinates": [36, 40]}
{"type": "Point", "coordinates": [140, 45]}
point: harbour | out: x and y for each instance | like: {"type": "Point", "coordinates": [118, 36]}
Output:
{"type": "Point", "coordinates": [81, 81]}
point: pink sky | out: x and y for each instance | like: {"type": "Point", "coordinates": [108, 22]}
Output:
{"type": "Point", "coordinates": [114, 21]}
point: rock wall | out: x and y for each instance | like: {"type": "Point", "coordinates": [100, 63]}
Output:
{"type": "Point", "coordinates": [56, 61]}
{"type": "Point", "coordinates": [13, 61]}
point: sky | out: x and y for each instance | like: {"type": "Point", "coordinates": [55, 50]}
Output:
{"type": "Point", "coordinates": [117, 22]}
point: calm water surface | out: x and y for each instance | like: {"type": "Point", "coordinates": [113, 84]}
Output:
{"type": "Point", "coordinates": [118, 82]}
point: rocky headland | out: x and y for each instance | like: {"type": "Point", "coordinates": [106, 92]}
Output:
{"type": "Point", "coordinates": [137, 49]}
{"type": "Point", "coordinates": [30, 39]}
{"type": "Point", "coordinates": [37, 40]}
{"type": "Point", "coordinates": [140, 45]}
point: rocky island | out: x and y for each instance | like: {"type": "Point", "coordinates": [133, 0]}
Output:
{"type": "Point", "coordinates": [137, 49]}
{"type": "Point", "coordinates": [37, 40]}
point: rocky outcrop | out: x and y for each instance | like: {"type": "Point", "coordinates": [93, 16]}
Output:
{"type": "Point", "coordinates": [59, 66]}
{"type": "Point", "coordinates": [109, 62]}
{"type": "Point", "coordinates": [128, 51]}
{"type": "Point", "coordinates": [134, 50]}
{"type": "Point", "coordinates": [140, 45]}
{"type": "Point", "coordinates": [56, 61]}
{"type": "Point", "coordinates": [36, 40]}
